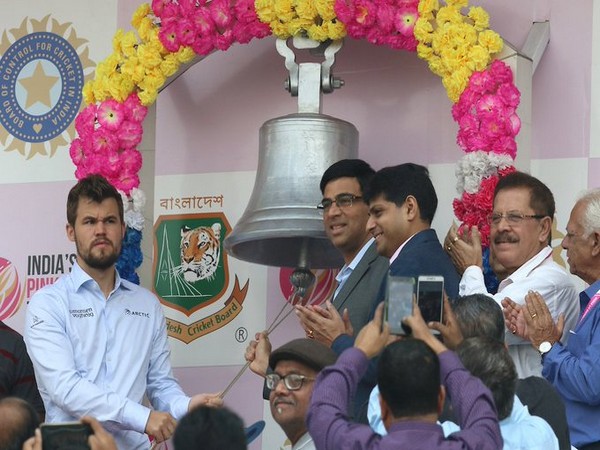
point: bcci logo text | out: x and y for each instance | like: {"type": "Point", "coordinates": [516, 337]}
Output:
{"type": "Point", "coordinates": [191, 272]}
{"type": "Point", "coordinates": [42, 74]}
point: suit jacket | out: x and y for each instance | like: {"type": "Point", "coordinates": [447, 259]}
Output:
{"type": "Point", "coordinates": [362, 285]}
{"type": "Point", "coordinates": [422, 255]}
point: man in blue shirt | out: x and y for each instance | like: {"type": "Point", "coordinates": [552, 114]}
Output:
{"type": "Point", "coordinates": [573, 368]}
{"type": "Point", "coordinates": [98, 343]}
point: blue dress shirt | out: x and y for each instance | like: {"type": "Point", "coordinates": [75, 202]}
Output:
{"type": "Point", "coordinates": [98, 356]}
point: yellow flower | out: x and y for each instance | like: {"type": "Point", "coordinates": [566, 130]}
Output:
{"type": "Point", "coordinates": [133, 69]}
{"type": "Point", "coordinates": [140, 13]}
{"type": "Point", "coordinates": [169, 65]}
{"type": "Point", "coordinates": [424, 51]}
{"type": "Point", "coordinates": [448, 15]}
{"type": "Point", "coordinates": [280, 30]}
{"type": "Point", "coordinates": [457, 3]}
{"type": "Point", "coordinates": [129, 44]}
{"type": "Point", "coordinates": [284, 10]}
{"type": "Point", "coordinates": [423, 31]}
{"type": "Point", "coordinates": [145, 29]}
{"type": "Point", "coordinates": [185, 54]}
{"type": "Point", "coordinates": [147, 97]}
{"type": "Point", "coordinates": [480, 18]}
{"type": "Point", "coordinates": [306, 9]}
{"type": "Point", "coordinates": [264, 11]}
{"type": "Point", "coordinates": [427, 7]}
{"type": "Point", "coordinates": [336, 30]}
{"type": "Point", "coordinates": [88, 92]}
{"type": "Point", "coordinates": [478, 58]}
{"type": "Point", "coordinates": [325, 9]}
{"type": "Point", "coordinates": [491, 40]}
{"type": "Point", "coordinates": [149, 56]}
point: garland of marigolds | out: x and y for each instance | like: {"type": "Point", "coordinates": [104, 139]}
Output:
{"type": "Point", "coordinates": [453, 37]}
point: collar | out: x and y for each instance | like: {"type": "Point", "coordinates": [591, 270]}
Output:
{"type": "Point", "coordinates": [397, 252]}
{"type": "Point", "coordinates": [81, 277]}
{"type": "Point", "coordinates": [592, 289]}
{"type": "Point", "coordinates": [356, 260]}
{"type": "Point", "coordinates": [526, 269]}
{"type": "Point", "coordinates": [303, 442]}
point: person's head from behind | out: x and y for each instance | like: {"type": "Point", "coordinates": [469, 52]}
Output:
{"type": "Point", "coordinates": [18, 421]}
{"type": "Point", "coordinates": [402, 201]}
{"type": "Point", "coordinates": [210, 429]}
{"type": "Point", "coordinates": [489, 360]}
{"type": "Point", "coordinates": [295, 367]}
{"type": "Point", "coordinates": [582, 240]}
{"type": "Point", "coordinates": [479, 315]}
{"type": "Point", "coordinates": [95, 222]}
{"type": "Point", "coordinates": [344, 210]}
{"type": "Point", "coordinates": [521, 220]}
{"type": "Point", "coordinates": [408, 374]}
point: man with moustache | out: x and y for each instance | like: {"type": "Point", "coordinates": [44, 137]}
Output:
{"type": "Point", "coordinates": [345, 215]}
{"type": "Point", "coordinates": [97, 342]}
{"type": "Point", "coordinates": [572, 367]}
{"type": "Point", "coordinates": [294, 368]}
{"type": "Point", "coordinates": [520, 233]}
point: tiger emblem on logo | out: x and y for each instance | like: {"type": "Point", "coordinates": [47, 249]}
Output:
{"type": "Point", "coordinates": [200, 252]}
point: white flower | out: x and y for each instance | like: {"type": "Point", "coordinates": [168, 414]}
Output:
{"type": "Point", "coordinates": [139, 199]}
{"type": "Point", "coordinates": [126, 201]}
{"type": "Point", "coordinates": [134, 219]}
{"type": "Point", "coordinates": [475, 166]}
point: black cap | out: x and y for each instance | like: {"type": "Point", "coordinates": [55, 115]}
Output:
{"type": "Point", "coordinates": [306, 351]}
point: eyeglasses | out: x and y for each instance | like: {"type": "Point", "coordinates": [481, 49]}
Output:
{"type": "Point", "coordinates": [292, 381]}
{"type": "Point", "coordinates": [513, 218]}
{"type": "Point", "coordinates": [341, 200]}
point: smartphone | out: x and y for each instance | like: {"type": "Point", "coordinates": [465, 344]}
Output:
{"type": "Point", "coordinates": [430, 298]}
{"type": "Point", "coordinates": [65, 436]}
{"type": "Point", "coordinates": [399, 303]}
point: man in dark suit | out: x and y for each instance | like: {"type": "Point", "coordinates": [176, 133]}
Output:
{"type": "Point", "coordinates": [345, 216]}
{"type": "Point", "coordinates": [402, 202]}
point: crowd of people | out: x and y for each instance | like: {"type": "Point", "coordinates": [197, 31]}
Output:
{"type": "Point", "coordinates": [512, 369]}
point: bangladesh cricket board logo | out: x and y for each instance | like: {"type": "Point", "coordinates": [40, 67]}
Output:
{"type": "Point", "coordinates": [191, 272]}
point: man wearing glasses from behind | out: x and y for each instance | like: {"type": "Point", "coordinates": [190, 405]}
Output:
{"type": "Point", "coordinates": [520, 234]}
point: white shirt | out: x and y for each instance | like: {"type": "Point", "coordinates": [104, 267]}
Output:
{"type": "Point", "coordinates": [304, 443]}
{"type": "Point", "coordinates": [539, 274]}
{"type": "Point", "coordinates": [97, 356]}
{"type": "Point", "coordinates": [347, 270]}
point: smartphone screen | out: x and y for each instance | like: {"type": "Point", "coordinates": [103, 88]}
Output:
{"type": "Point", "coordinates": [63, 436]}
{"type": "Point", "coordinates": [398, 302]}
{"type": "Point", "coordinates": [430, 297]}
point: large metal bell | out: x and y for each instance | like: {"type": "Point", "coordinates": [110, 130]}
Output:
{"type": "Point", "coordinates": [281, 225]}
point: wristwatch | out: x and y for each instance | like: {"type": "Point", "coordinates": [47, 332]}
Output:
{"type": "Point", "coordinates": [545, 347]}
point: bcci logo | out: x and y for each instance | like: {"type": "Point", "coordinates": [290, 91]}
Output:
{"type": "Point", "coordinates": [41, 80]}
{"type": "Point", "coordinates": [191, 271]}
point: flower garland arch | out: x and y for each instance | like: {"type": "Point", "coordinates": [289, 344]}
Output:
{"type": "Point", "coordinates": [453, 38]}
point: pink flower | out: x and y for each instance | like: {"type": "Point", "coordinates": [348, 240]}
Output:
{"type": "Point", "coordinates": [509, 94]}
{"type": "Point", "coordinates": [514, 124]}
{"type": "Point", "coordinates": [134, 110]}
{"type": "Point", "coordinates": [103, 140]}
{"type": "Point", "coordinates": [224, 41]}
{"type": "Point", "coordinates": [500, 72]}
{"type": "Point", "coordinates": [203, 22]}
{"type": "Point", "coordinates": [112, 163]}
{"type": "Point", "coordinates": [76, 151]}
{"type": "Point", "coordinates": [168, 34]}
{"type": "Point", "coordinates": [85, 121]}
{"type": "Point", "coordinates": [220, 12]}
{"type": "Point", "coordinates": [185, 31]}
{"type": "Point", "coordinates": [405, 21]}
{"type": "Point", "coordinates": [130, 134]}
{"type": "Point", "coordinates": [131, 160]}
{"type": "Point", "coordinates": [111, 114]}
{"type": "Point", "coordinates": [203, 45]}
{"type": "Point", "coordinates": [125, 182]}
{"type": "Point", "coordinates": [158, 6]}
{"type": "Point", "coordinates": [385, 18]}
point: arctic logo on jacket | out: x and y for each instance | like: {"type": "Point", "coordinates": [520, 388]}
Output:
{"type": "Point", "coordinates": [129, 312]}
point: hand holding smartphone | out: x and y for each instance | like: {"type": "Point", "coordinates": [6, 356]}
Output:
{"type": "Point", "coordinates": [430, 298]}
{"type": "Point", "coordinates": [65, 436]}
{"type": "Point", "coordinates": [399, 303]}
